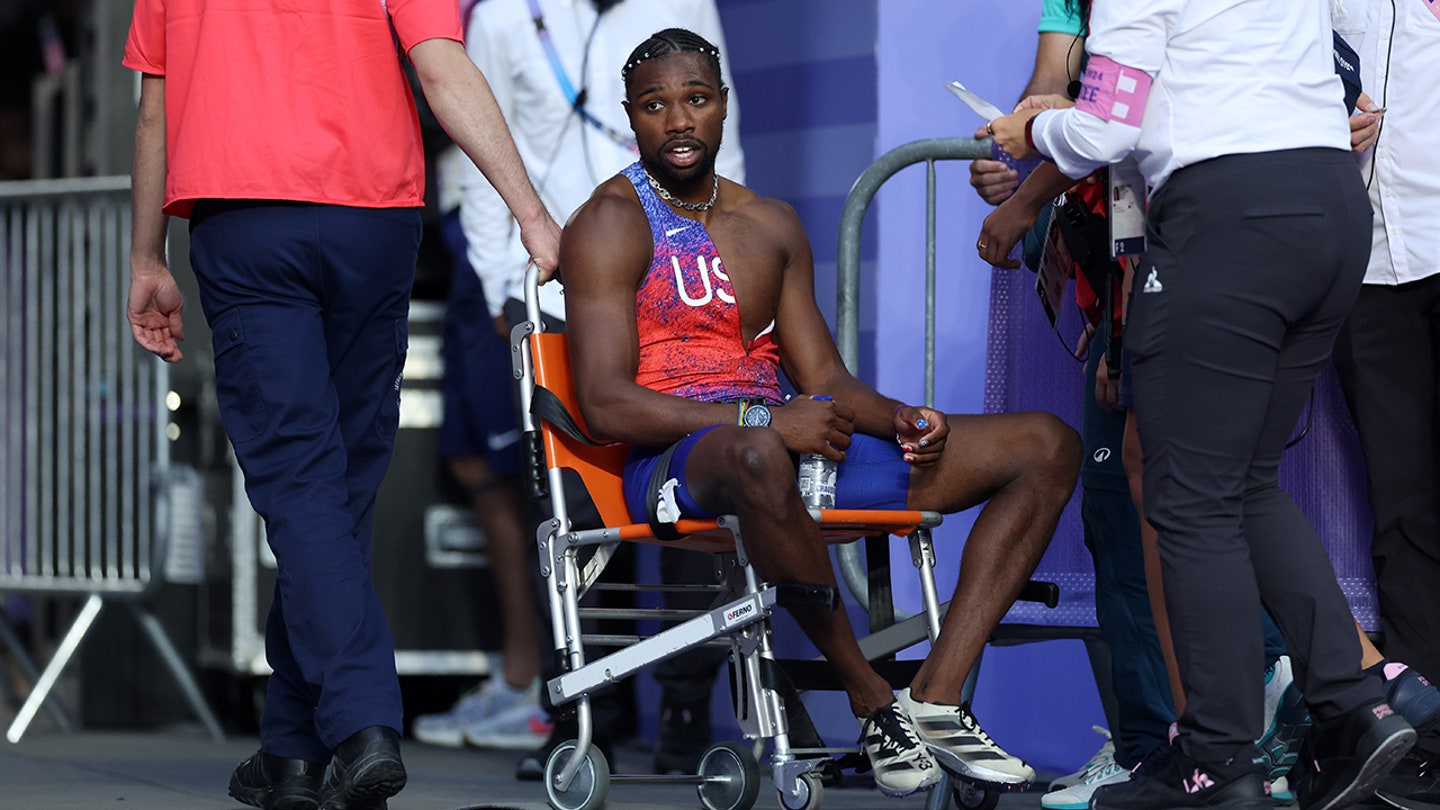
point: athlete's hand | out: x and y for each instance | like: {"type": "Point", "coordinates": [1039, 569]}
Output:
{"type": "Point", "coordinates": [921, 432]}
{"type": "Point", "coordinates": [815, 426]}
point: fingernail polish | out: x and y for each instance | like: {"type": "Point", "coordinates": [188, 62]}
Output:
{"type": "Point", "coordinates": [921, 423]}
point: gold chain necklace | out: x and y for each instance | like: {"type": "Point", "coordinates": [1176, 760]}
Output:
{"type": "Point", "coordinates": [676, 201]}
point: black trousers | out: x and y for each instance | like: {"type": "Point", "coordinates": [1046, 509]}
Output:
{"type": "Point", "coordinates": [1388, 359]}
{"type": "Point", "coordinates": [1254, 262]}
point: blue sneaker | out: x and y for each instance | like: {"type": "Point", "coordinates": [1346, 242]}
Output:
{"type": "Point", "coordinates": [1412, 696]}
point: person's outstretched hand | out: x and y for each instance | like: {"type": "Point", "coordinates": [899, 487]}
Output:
{"type": "Point", "coordinates": [154, 311]}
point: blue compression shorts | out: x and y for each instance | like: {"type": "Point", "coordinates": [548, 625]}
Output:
{"type": "Point", "coordinates": [874, 475]}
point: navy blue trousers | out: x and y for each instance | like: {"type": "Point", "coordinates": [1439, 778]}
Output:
{"type": "Point", "coordinates": [308, 305]}
{"type": "Point", "coordinates": [1144, 707]}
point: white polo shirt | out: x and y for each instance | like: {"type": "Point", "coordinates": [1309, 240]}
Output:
{"type": "Point", "coordinates": [1399, 48]}
{"type": "Point", "coordinates": [1178, 82]}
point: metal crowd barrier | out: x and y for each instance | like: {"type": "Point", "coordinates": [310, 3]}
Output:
{"type": "Point", "coordinates": [84, 456]}
{"type": "Point", "coordinates": [847, 280]}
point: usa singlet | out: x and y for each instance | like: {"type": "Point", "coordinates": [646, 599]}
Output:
{"type": "Point", "coordinates": [691, 342]}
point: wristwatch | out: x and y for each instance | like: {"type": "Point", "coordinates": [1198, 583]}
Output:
{"type": "Point", "coordinates": [756, 415]}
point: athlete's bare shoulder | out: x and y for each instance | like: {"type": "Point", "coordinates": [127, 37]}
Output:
{"type": "Point", "coordinates": [769, 217]}
{"type": "Point", "coordinates": [608, 233]}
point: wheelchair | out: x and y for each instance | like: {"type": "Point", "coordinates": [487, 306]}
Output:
{"type": "Point", "coordinates": [577, 775]}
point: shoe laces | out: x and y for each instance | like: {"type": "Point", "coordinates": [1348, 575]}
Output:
{"type": "Point", "coordinates": [896, 736]}
{"type": "Point", "coordinates": [1099, 767]}
{"type": "Point", "coordinates": [972, 724]}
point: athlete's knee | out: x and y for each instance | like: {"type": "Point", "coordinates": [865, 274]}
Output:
{"type": "Point", "coordinates": [1053, 448]}
{"type": "Point", "coordinates": [758, 460]}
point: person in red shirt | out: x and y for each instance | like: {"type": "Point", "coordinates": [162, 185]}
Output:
{"type": "Point", "coordinates": [289, 138]}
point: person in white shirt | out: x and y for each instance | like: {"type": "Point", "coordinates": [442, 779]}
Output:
{"type": "Point", "coordinates": [1388, 352]}
{"type": "Point", "coordinates": [1257, 232]}
{"type": "Point", "coordinates": [553, 73]}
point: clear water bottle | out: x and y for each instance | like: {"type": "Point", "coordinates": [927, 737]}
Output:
{"type": "Point", "coordinates": [817, 479]}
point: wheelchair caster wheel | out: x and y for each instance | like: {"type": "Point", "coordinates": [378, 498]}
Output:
{"type": "Point", "coordinates": [970, 796]}
{"type": "Point", "coordinates": [733, 777]}
{"type": "Point", "coordinates": [805, 794]}
{"type": "Point", "coordinates": [591, 783]}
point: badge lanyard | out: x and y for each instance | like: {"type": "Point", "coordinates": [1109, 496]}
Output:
{"type": "Point", "coordinates": [568, 89]}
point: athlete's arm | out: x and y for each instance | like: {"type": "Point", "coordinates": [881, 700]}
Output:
{"type": "Point", "coordinates": [810, 357]}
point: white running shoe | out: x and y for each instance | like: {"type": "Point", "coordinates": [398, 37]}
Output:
{"type": "Point", "coordinates": [962, 747]}
{"type": "Point", "coordinates": [899, 758]}
{"type": "Point", "coordinates": [490, 699]}
{"type": "Point", "coordinates": [1077, 797]}
{"type": "Point", "coordinates": [1105, 756]}
{"type": "Point", "coordinates": [1280, 791]}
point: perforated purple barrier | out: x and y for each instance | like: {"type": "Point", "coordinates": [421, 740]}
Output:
{"type": "Point", "coordinates": [1028, 369]}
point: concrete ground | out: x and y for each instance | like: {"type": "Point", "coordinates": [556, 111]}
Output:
{"type": "Point", "coordinates": [183, 769]}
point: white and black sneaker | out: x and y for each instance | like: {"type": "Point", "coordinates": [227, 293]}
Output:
{"type": "Point", "coordinates": [962, 747]}
{"type": "Point", "coordinates": [902, 765]}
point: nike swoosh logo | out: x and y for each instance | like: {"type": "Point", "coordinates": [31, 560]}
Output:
{"type": "Point", "coordinates": [674, 231]}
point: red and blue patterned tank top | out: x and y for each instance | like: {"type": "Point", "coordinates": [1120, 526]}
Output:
{"type": "Point", "coordinates": [691, 343]}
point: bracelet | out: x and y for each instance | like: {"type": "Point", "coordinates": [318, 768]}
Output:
{"type": "Point", "coordinates": [740, 415]}
{"type": "Point", "coordinates": [898, 409]}
{"type": "Point", "coordinates": [1030, 130]}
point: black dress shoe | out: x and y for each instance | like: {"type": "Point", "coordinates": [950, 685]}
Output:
{"type": "Point", "coordinates": [277, 783]}
{"type": "Point", "coordinates": [365, 771]}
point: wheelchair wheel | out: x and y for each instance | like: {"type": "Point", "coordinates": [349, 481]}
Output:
{"type": "Point", "coordinates": [969, 796]}
{"type": "Point", "coordinates": [807, 793]}
{"type": "Point", "coordinates": [739, 774]}
{"type": "Point", "coordinates": [591, 783]}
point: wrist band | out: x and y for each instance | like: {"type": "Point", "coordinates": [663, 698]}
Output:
{"type": "Point", "coordinates": [740, 416]}
{"type": "Point", "coordinates": [898, 409]}
{"type": "Point", "coordinates": [1029, 130]}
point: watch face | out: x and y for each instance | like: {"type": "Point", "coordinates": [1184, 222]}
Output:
{"type": "Point", "coordinates": [757, 416]}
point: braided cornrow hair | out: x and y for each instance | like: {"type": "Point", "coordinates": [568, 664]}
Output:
{"type": "Point", "coordinates": [672, 40]}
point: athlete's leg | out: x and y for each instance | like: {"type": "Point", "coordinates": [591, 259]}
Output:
{"type": "Point", "coordinates": [1025, 465]}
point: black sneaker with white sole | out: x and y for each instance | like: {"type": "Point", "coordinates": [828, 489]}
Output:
{"type": "Point", "coordinates": [899, 759]}
{"type": "Point", "coordinates": [1181, 782]}
{"type": "Point", "coordinates": [963, 748]}
{"type": "Point", "coordinates": [1344, 759]}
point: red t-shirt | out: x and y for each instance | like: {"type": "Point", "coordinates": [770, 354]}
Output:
{"type": "Point", "coordinates": [288, 99]}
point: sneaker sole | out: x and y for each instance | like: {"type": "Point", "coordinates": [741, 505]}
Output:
{"type": "Point", "coordinates": [370, 789]}
{"type": "Point", "coordinates": [1405, 803]}
{"type": "Point", "coordinates": [894, 793]}
{"type": "Point", "coordinates": [968, 771]}
{"type": "Point", "coordinates": [507, 742]}
{"type": "Point", "coordinates": [261, 797]}
{"type": "Point", "coordinates": [1372, 772]}
{"type": "Point", "coordinates": [439, 740]}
